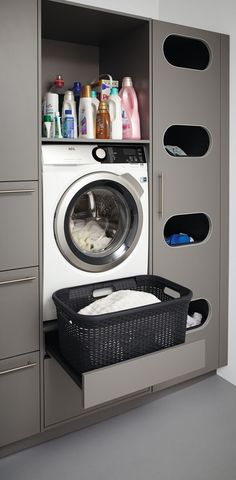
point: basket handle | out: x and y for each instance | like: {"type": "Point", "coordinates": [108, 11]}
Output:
{"type": "Point", "coordinates": [102, 292]}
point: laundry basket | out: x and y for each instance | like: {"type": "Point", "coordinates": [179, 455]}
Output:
{"type": "Point", "coordinates": [90, 342]}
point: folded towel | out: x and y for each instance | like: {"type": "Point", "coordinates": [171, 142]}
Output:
{"type": "Point", "coordinates": [120, 300]}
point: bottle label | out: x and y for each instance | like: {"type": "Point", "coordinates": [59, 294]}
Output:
{"type": "Point", "coordinates": [125, 123]}
{"type": "Point", "coordinates": [68, 127]}
{"type": "Point", "coordinates": [83, 122]}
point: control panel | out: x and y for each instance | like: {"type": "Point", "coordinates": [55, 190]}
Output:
{"type": "Point", "coordinates": [119, 154]}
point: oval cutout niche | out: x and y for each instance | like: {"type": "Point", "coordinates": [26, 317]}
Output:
{"type": "Point", "coordinates": [186, 141]}
{"type": "Point", "coordinates": [187, 229]}
{"type": "Point", "coordinates": [186, 52]}
{"type": "Point", "coordinates": [198, 311]}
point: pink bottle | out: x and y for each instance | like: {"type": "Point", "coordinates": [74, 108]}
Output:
{"type": "Point", "coordinates": [129, 106]}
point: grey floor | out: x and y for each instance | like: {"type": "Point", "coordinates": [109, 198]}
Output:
{"type": "Point", "coordinates": [187, 434]}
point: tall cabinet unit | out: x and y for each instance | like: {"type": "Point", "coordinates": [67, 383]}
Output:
{"type": "Point", "coordinates": [19, 326]}
{"type": "Point", "coordinates": [187, 189]}
{"type": "Point", "coordinates": [180, 76]}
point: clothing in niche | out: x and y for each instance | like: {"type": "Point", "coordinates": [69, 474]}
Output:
{"type": "Point", "coordinates": [175, 151]}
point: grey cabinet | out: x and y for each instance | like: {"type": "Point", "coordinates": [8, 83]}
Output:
{"type": "Point", "coordinates": [19, 399]}
{"type": "Point", "coordinates": [19, 220]}
{"type": "Point", "coordinates": [19, 324]}
{"type": "Point", "coordinates": [18, 87]}
{"type": "Point", "coordinates": [186, 187]}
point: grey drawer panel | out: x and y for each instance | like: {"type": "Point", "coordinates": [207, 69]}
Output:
{"type": "Point", "coordinates": [109, 383]}
{"type": "Point", "coordinates": [19, 225]}
{"type": "Point", "coordinates": [19, 320]}
{"type": "Point", "coordinates": [62, 397]}
{"type": "Point", "coordinates": [19, 399]}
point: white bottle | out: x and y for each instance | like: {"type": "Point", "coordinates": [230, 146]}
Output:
{"type": "Point", "coordinates": [114, 107]}
{"type": "Point", "coordinates": [70, 104]}
{"type": "Point", "coordinates": [87, 113]}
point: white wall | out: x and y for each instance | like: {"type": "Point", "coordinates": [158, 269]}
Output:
{"type": "Point", "coordinates": [219, 16]}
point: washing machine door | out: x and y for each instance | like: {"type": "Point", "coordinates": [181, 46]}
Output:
{"type": "Point", "coordinates": [98, 220]}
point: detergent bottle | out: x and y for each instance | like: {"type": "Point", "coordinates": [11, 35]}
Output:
{"type": "Point", "coordinates": [69, 104]}
{"type": "Point", "coordinates": [114, 107]}
{"type": "Point", "coordinates": [130, 114]}
{"type": "Point", "coordinates": [87, 113]}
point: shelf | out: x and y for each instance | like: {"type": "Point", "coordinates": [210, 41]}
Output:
{"type": "Point", "coordinates": [95, 140]}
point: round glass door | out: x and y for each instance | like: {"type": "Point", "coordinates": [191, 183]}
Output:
{"type": "Point", "coordinates": [100, 226]}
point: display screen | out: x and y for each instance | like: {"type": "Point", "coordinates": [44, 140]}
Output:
{"type": "Point", "coordinates": [129, 151]}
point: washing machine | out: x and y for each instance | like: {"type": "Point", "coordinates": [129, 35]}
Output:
{"type": "Point", "coordinates": [95, 215]}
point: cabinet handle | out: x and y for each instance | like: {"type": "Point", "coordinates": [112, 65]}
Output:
{"type": "Point", "coordinates": [17, 280]}
{"type": "Point", "coordinates": [161, 195]}
{"type": "Point", "coordinates": [22, 367]}
{"type": "Point", "coordinates": [3, 192]}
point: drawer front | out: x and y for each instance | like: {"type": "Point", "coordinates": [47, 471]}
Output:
{"type": "Point", "coordinates": [19, 225]}
{"type": "Point", "coordinates": [19, 321]}
{"type": "Point", "coordinates": [109, 383]}
{"type": "Point", "coordinates": [62, 397]}
{"type": "Point", "coordinates": [19, 398]}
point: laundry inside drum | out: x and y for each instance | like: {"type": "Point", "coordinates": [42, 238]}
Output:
{"type": "Point", "coordinates": [99, 221]}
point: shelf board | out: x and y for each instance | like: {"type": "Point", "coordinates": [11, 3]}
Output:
{"type": "Point", "coordinates": [88, 141]}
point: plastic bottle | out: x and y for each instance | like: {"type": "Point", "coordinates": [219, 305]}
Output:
{"type": "Point", "coordinates": [47, 126]}
{"type": "Point", "coordinates": [87, 110]}
{"type": "Point", "coordinates": [95, 102]}
{"type": "Point", "coordinates": [103, 123]}
{"type": "Point", "coordinates": [77, 93]}
{"type": "Point", "coordinates": [50, 107]}
{"type": "Point", "coordinates": [130, 114]}
{"type": "Point", "coordinates": [114, 107]}
{"type": "Point", "coordinates": [68, 124]}
{"type": "Point", "coordinates": [58, 87]}
{"type": "Point", "coordinates": [58, 126]}
{"type": "Point", "coordinates": [69, 104]}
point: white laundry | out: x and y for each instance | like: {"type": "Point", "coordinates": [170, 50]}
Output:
{"type": "Point", "coordinates": [90, 236]}
{"type": "Point", "coordinates": [120, 300]}
{"type": "Point", "coordinates": [175, 151]}
{"type": "Point", "coordinates": [194, 320]}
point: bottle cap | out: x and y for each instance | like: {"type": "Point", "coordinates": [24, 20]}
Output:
{"type": "Point", "coordinates": [69, 95]}
{"type": "Point", "coordinates": [127, 82]}
{"type": "Point", "coordinates": [77, 88]}
{"type": "Point", "coordinates": [86, 91]}
{"type": "Point", "coordinates": [68, 112]}
{"type": "Point", "coordinates": [102, 106]}
{"type": "Point", "coordinates": [114, 91]}
{"type": "Point", "coordinates": [93, 94]}
{"type": "Point", "coordinates": [47, 118]}
{"type": "Point", "coordinates": [59, 82]}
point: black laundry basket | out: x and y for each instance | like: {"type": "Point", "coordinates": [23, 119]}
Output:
{"type": "Point", "coordinates": [90, 342]}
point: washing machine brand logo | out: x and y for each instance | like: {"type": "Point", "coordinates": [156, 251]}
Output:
{"type": "Point", "coordinates": [72, 149]}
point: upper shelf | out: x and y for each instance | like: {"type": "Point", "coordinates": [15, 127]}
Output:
{"type": "Point", "coordinates": [92, 140]}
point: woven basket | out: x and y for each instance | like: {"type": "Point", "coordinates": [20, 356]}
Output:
{"type": "Point", "coordinates": [90, 342]}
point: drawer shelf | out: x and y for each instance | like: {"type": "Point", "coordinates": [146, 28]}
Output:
{"type": "Point", "coordinates": [115, 381]}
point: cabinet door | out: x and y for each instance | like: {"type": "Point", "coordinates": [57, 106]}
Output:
{"type": "Point", "coordinates": [19, 323]}
{"type": "Point", "coordinates": [188, 184]}
{"type": "Point", "coordinates": [18, 87]}
{"type": "Point", "coordinates": [19, 225]}
{"type": "Point", "coordinates": [19, 399]}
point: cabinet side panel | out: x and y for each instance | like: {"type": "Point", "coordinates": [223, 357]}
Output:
{"type": "Point", "coordinates": [18, 86]}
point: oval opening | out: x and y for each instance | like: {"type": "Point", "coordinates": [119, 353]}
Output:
{"type": "Point", "coordinates": [186, 52]}
{"type": "Point", "coordinates": [186, 229]}
{"type": "Point", "coordinates": [186, 141]}
{"type": "Point", "coordinates": [198, 313]}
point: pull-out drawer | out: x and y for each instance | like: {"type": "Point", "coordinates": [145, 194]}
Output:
{"type": "Point", "coordinates": [125, 378]}
{"type": "Point", "coordinates": [19, 398]}
{"type": "Point", "coordinates": [19, 322]}
{"type": "Point", "coordinates": [19, 225]}
{"type": "Point", "coordinates": [63, 399]}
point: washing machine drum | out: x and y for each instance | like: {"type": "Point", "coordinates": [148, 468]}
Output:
{"type": "Point", "coordinates": [98, 226]}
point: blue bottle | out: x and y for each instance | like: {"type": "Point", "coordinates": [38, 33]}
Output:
{"type": "Point", "coordinates": [68, 125]}
{"type": "Point", "coordinates": [77, 93]}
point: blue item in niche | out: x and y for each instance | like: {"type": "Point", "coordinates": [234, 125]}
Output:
{"type": "Point", "coordinates": [178, 239]}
